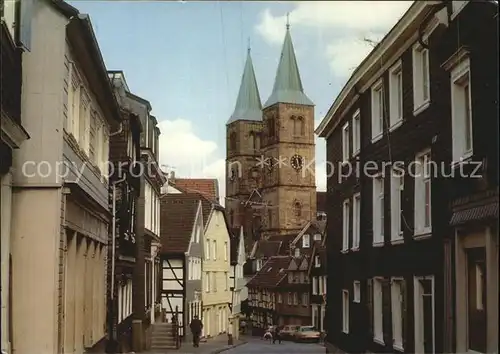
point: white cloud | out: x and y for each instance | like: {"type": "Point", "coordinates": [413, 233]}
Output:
{"type": "Point", "coordinates": [342, 25]}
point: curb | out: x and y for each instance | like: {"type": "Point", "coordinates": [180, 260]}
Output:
{"type": "Point", "coordinates": [217, 351]}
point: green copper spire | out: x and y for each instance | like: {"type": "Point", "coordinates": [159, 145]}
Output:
{"type": "Point", "coordinates": [288, 85]}
{"type": "Point", "coordinates": [248, 105]}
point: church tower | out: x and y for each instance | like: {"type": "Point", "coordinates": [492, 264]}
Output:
{"type": "Point", "coordinates": [288, 143]}
{"type": "Point", "coordinates": [243, 141]}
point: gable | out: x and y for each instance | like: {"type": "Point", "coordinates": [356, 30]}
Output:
{"type": "Point", "coordinates": [292, 265]}
{"type": "Point", "coordinates": [304, 264]}
{"type": "Point", "coordinates": [241, 248]}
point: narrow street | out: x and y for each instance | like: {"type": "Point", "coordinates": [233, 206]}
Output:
{"type": "Point", "coordinates": [256, 345]}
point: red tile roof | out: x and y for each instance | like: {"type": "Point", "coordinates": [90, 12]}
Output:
{"type": "Point", "coordinates": [271, 273]}
{"type": "Point", "coordinates": [178, 214]}
{"type": "Point", "coordinates": [208, 187]}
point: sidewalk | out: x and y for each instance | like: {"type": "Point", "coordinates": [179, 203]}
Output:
{"type": "Point", "coordinates": [211, 346]}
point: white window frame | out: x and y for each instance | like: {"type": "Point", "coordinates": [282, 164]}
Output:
{"type": "Point", "coordinates": [225, 251]}
{"type": "Point", "coordinates": [345, 143]}
{"type": "Point", "coordinates": [346, 210]}
{"type": "Point", "coordinates": [315, 285]}
{"type": "Point", "coordinates": [317, 261]}
{"type": "Point", "coordinates": [207, 249]}
{"type": "Point", "coordinates": [306, 241]}
{"type": "Point", "coordinates": [214, 281]}
{"type": "Point", "coordinates": [214, 249]}
{"type": "Point", "coordinates": [422, 177]}
{"type": "Point", "coordinates": [395, 96]}
{"type": "Point", "coordinates": [356, 133]}
{"type": "Point", "coordinates": [421, 79]}
{"type": "Point", "coordinates": [297, 252]}
{"type": "Point", "coordinates": [377, 110]}
{"type": "Point", "coordinates": [418, 311]}
{"type": "Point", "coordinates": [397, 314]}
{"type": "Point", "coordinates": [207, 284]}
{"type": "Point", "coordinates": [258, 264]}
{"type": "Point", "coordinates": [461, 128]}
{"type": "Point", "coordinates": [356, 221]}
{"type": "Point", "coordinates": [345, 311]}
{"type": "Point", "coordinates": [397, 188]}
{"type": "Point", "coordinates": [378, 319]}
{"type": "Point", "coordinates": [378, 212]}
{"type": "Point", "coordinates": [356, 286]}
{"type": "Point", "coordinates": [317, 237]}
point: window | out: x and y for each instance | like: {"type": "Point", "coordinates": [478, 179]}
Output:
{"type": "Point", "coordinates": [345, 311]}
{"type": "Point", "coordinates": [424, 314]}
{"type": "Point", "coordinates": [226, 277]}
{"type": "Point", "coordinates": [345, 142]}
{"type": "Point", "coordinates": [258, 264]}
{"type": "Point", "coordinates": [421, 86]}
{"type": "Point", "coordinates": [315, 285]}
{"type": "Point", "coordinates": [345, 225]}
{"type": "Point", "coordinates": [297, 209]}
{"type": "Point", "coordinates": [295, 299]}
{"type": "Point", "coordinates": [461, 111]}
{"type": "Point", "coordinates": [207, 249]}
{"type": "Point", "coordinates": [317, 237]}
{"type": "Point", "coordinates": [356, 224]}
{"type": "Point", "coordinates": [378, 331]}
{"type": "Point", "coordinates": [317, 261]}
{"type": "Point", "coordinates": [423, 194]}
{"type": "Point", "coordinates": [378, 210]}
{"type": "Point", "coordinates": [214, 249]}
{"type": "Point", "coordinates": [226, 251]}
{"type": "Point", "coordinates": [398, 311]}
{"type": "Point", "coordinates": [305, 299]}
{"type": "Point", "coordinates": [306, 241]}
{"type": "Point", "coordinates": [396, 96]}
{"type": "Point", "coordinates": [289, 298]}
{"type": "Point", "coordinates": [356, 133]}
{"type": "Point", "coordinates": [357, 292]}
{"type": "Point", "coordinates": [397, 222]}
{"type": "Point", "coordinates": [280, 298]}
{"type": "Point", "coordinates": [377, 111]}
{"type": "Point", "coordinates": [207, 282]}
{"type": "Point", "coordinates": [232, 142]}
{"type": "Point", "coordinates": [214, 281]}
{"type": "Point", "coordinates": [297, 252]}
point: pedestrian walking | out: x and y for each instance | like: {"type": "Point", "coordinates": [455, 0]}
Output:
{"type": "Point", "coordinates": [277, 335]}
{"type": "Point", "coordinates": [196, 327]}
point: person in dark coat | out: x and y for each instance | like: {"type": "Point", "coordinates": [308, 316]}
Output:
{"type": "Point", "coordinates": [196, 327]}
{"type": "Point", "coordinates": [277, 334]}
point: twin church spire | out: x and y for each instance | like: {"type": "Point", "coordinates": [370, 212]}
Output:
{"type": "Point", "coordinates": [287, 86]}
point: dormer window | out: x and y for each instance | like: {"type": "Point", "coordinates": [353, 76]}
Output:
{"type": "Point", "coordinates": [317, 262]}
{"type": "Point", "coordinates": [306, 241]}
{"type": "Point", "coordinates": [297, 252]}
{"type": "Point", "coordinates": [317, 237]}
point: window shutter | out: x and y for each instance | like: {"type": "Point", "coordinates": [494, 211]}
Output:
{"type": "Point", "coordinates": [26, 14]}
{"type": "Point", "coordinates": [404, 303]}
{"type": "Point", "coordinates": [369, 305]}
{"type": "Point", "coordinates": [386, 310]}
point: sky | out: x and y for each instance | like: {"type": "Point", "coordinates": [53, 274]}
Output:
{"type": "Point", "coordinates": [187, 58]}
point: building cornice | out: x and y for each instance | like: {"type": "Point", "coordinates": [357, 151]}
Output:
{"type": "Point", "coordinates": [12, 134]}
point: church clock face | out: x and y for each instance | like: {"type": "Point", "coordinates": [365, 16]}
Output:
{"type": "Point", "coordinates": [297, 162]}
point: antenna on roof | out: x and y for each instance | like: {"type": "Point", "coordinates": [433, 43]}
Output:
{"type": "Point", "coordinates": [288, 20]}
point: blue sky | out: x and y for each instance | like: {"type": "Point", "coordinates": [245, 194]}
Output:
{"type": "Point", "coordinates": [187, 59]}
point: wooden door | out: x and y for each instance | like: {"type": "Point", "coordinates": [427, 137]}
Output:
{"type": "Point", "coordinates": [476, 294]}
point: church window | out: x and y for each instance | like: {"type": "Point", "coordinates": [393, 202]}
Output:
{"type": "Point", "coordinates": [297, 209]}
{"type": "Point", "coordinates": [301, 126]}
{"type": "Point", "coordinates": [232, 141]}
{"type": "Point", "coordinates": [271, 127]}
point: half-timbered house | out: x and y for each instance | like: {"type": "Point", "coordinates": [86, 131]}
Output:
{"type": "Point", "coordinates": [262, 289]}
{"type": "Point", "coordinates": [183, 219]}
{"type": "Point", "coordinates": [125, 192]}
{"type": "Point", "coordinates": [402, 122]}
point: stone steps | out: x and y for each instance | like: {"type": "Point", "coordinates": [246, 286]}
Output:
{"type": "Point", "coordinates": [162, 338]}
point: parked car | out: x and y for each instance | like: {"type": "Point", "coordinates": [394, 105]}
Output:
{"type": "Point", "coordinates": [288, 331]}
{"type": "Point", "coordinates": [307, 334]}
